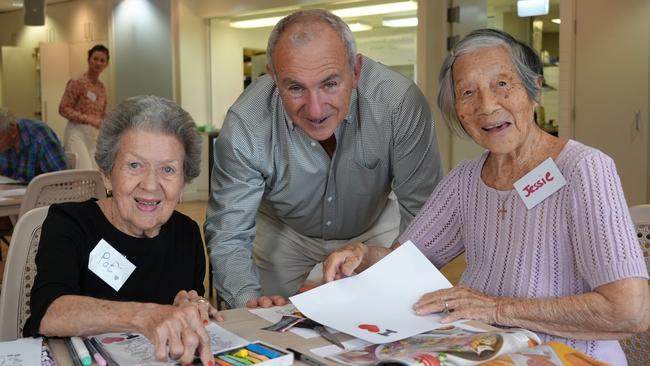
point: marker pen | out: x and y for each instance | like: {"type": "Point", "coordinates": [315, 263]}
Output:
{"type": "Point", "coordinates": [81, 350]}
{"type": "Point", "coordinates": [95, 353]}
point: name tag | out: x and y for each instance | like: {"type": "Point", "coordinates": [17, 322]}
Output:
{"type": "Point", "coordinates": [91, 96]}
{"type": "Point", "coordinates": [109, 265]}
{"type": "Point", "coordinates": [540, 183]}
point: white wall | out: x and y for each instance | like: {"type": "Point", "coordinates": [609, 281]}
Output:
{"type": "Point", "coordinates": [142, 43]}
{"type": "Point", "coordinates": [192, 82]}
{"type": "Point", "coordinates": [73, 21]}
{"type": "Point", "coordinates": [227, 53]}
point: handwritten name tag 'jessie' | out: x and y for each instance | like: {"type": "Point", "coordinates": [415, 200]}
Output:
{"type": "Point", "coordinates": [109, 265]}
{"type": "Point", "coordinates": [540, 183]}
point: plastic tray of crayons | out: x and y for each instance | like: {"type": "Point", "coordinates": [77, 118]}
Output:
{"type": "Point", "coordinates": [255, 353]}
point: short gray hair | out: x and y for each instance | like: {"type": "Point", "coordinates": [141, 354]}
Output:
{"type": "Point", "coordinates": [151, 114]}
{"type": "Point", "coordinates": [477, 39]}
{"type": "Point", "coordinates": [310, 16]}
{"type": "Point", "coordinates": [7, 119]}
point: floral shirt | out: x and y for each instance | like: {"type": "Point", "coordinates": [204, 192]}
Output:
{"type": "Point", "coordinates": [84, 101]}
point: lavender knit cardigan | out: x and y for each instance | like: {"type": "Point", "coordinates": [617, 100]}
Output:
{"type": "Point", "coordinates": [577, 239]}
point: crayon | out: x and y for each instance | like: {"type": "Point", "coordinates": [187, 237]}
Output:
{"type": "Point", "coordinates": [257, 348]}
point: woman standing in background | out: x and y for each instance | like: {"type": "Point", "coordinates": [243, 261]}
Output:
{"type": "Point", "coordinates": [84, 105]}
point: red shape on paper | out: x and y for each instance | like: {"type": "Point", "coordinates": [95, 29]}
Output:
{"type": "Point", "coordinates": [369, 327]}
{"type": "Point", "coordinates": [109, 340]}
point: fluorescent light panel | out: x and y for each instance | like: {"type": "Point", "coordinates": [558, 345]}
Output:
{"type": "Point", "coordinates": [358, 11]}
{"type": "Point", "coordinates": [255, 23]}
{"type": "Point", "coordinates": [376, 9]}
{"type": "Point", "coordinates": [400, 22]}
{"type": "Point", "coordinates": [556, 21]}
{"type": "Point", "coordinates": [529, 8]}
{"type": "Point", "coordinates": [359, 27]}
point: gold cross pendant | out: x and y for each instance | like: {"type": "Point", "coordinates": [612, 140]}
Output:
{"type": "Point", "coordinates": [503, 211]}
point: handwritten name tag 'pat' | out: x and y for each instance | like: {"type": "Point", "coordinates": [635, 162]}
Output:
{"type": "Point", "coordinates": [539, 183]}
{"type": "Point", "coordinates": [109, 265]}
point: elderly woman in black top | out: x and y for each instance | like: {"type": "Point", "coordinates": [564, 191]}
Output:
{"type": "Point", "coordinates": [130, 262]}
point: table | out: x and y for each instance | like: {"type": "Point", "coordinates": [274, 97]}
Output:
{"type": "Point", "coordinates": [10, 205]}
{"type": "Point", "coordinates": [243, 323]}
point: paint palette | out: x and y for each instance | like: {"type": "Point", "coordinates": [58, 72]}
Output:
{"type": "Point", "coordinates": [255, 353]}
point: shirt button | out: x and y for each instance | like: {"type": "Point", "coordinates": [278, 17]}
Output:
{"type": "Point", "coordinates": [313, 143]}
{"type": "Point", "coordinates": [329, 199]}
{"type": "Point", "coordinates": [328, 223]}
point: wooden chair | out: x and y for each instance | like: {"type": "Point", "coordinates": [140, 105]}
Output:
{"type": "Point", "coordinates": [73, 185]}
{"type": "Point", "coordinates": [637, 348]}
{"type": "Point", "coordinates": [19, 273]}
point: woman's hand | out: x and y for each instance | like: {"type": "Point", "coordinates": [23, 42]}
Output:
{"type": "Point", "coordinates": [176, 331]}
{"type": "Point", "coordinates": [343, 261]}
{"type": "Point", "coordinates": [206, 309]}
{"type": "Point", "coordinates": [459, 302]}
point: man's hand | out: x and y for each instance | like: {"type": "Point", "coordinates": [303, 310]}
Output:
{"type": "Point", "coordinates": [266, 301]}
{"type": "Point", "coordinates": [343, 261]}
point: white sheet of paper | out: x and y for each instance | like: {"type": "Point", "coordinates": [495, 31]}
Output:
{"type": "Point", "coordinates": [135, 349]}
{"type": "Point", "coordinates": [376, 305]}
{"type": "Point", "coordinates": [12, 192]}
{"type": "Point", "coordinates": [21, 352]}
{"type": "Point", "coordinates": [275, 314]}
{"type": "Point", "coordinates": [7, 180]}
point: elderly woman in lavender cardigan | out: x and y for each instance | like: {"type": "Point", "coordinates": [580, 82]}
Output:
{"type": "Point", "coordinates": [569, 267]}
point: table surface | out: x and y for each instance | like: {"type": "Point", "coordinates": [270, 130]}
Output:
{"type": "Point", "coordinates": [243, 323]}
{"type": "Point", "coordinates": [10, 205]}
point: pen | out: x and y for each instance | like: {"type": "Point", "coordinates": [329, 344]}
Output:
{"type": "Point", "coordinates": [95, 353]}
{"type": "Point", "coordinates": [102, 351]}
{"type": "Point", "coordinates": [304, 358]}
{"type": "Point", "coordinates": [82, 351]}
{"type": "Point", "coordinates": [71, 351]}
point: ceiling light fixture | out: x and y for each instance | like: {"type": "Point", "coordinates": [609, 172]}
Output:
{"type": "Point", "coordinates": [387, 8]}
{"type": "Point", "coordinates": [400, 22]}
{"type": "Point", "coordinates": [556, 21]}
{"type": "Point", "coordinates": [359, 27]}
{"type": "Point", "coordinates": [359, 11]}
{"type": "Point", "coordinates": [17, 4]}
{"type": "Point", "coordinates": [255, 23]}
{"type": "Point", "coordinates": [529, 8]}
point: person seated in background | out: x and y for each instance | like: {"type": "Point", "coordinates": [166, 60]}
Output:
{"type": "Point", "coordinates": [28, 148]}
{"type": "Point", "coordinates": [569, 267]}
{"type": "Point", "coordinates": [148, 149]}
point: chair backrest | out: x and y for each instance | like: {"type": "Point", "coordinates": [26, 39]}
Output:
{"type": "Point", "coordinates": [74, 185]}
{"type": "Point", "coordinates": [70, 160]}
{"type": "Point", "coordinates": [637, 348]}
{"type": "Point", "coordinates": [20, 270]}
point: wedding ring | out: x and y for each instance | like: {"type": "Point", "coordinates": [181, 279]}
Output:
{"type": "Point", "coordinates": [446, 309]}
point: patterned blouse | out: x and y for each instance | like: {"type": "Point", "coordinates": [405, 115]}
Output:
{"type": "Point", "coordinates": [84, 100]}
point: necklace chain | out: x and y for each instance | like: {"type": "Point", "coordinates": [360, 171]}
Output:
{"type": "Point", "coordinates": [502, 202]}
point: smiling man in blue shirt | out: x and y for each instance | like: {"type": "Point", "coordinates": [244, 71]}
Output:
{"type": "Point", "coordinates": [27, 148]}
{"type": "Point", "coordinates": [307, 158]}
